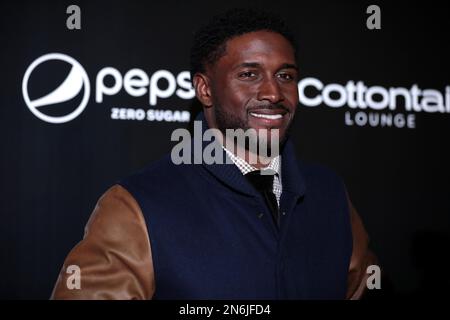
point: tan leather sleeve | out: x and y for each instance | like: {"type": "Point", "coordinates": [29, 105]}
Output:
{"type": "Point", "coordinates": [114, 257]}
{"type": "Point", "coordinates": [361, 257]}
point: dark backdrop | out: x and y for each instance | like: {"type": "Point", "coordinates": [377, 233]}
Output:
{"type": "Point", "coordinates": [52, 174]}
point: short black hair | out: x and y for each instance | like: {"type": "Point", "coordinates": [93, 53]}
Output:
{"type": "Point", "coordinates": [210, 40]}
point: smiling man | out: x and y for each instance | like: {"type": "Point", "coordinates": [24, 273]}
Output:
{"type": "Point", "coordinates": [276, 229]}
{"type": "Point", "coordinates": [252, 86]}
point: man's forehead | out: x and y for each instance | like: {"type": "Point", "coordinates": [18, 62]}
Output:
{"type": "Point", "coordinates": [258, 48]}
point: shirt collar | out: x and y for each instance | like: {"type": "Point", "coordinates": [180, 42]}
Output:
{"type": "Point", "coordinates": [245, 167]}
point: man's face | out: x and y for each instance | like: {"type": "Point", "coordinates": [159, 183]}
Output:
{"type": "Point", "coordinates": [254, 85]}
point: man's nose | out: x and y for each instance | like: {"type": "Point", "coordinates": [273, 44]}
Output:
{"type": "Point", "coordinates": [270, 90]}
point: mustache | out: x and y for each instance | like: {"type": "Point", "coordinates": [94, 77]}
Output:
{"type": "Point", "coordinates": [268, 106]}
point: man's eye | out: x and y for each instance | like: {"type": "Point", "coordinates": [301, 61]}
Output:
{"type": "Point", "coordinates": [286, 76]}
{"type": "Point", "coordinates": [247, 74]}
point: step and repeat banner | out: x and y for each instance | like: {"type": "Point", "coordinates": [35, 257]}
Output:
{"type": "Point", "coordinates": [92, 90]}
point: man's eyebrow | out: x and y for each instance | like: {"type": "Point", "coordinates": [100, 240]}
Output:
{"type": "Point", "coordinates": [289, 66]}
{"type": "Point", "coordinates": [248, 65]}
{"type": "Point", "coordinates": [257, 65]}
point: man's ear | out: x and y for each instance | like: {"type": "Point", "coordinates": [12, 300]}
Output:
{"type": "Point", "coordinates": [202, 89]}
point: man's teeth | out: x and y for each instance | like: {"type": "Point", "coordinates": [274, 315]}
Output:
{"type": "Point", "coordinates": [267, 116]}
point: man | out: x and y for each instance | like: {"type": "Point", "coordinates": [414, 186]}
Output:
{"type": "Point", "coordinates": [216, 231]}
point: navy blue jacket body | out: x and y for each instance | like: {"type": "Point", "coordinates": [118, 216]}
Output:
{"type": "Point", "coordinates": [212, 235]}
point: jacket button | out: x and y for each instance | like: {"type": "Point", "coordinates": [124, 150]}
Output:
{"type": "Point", "coordinates": [260, 215]}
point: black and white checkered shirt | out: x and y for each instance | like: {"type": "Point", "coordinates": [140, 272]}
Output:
{"type": "Point", "coordinates": [275, 165]}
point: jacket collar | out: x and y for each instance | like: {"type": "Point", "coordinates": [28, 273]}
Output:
{"type": "Point", "coordinates": [230, 174]}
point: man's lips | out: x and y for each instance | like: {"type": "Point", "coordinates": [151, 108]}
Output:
{"type": "Point", "coordinates": [268, 114]}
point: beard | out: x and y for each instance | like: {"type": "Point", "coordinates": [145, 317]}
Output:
{"type": "Point", "coordinates": [228, 120]}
